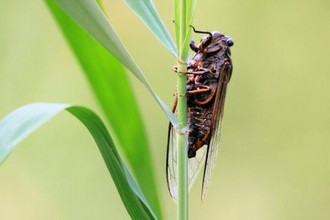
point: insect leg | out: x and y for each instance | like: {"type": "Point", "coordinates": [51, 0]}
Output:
{"type": "Point", "coordinates": [193, 46]}
{"type": "Point", "coordinates": [191, 70]}
{"type": "Point", "coordinates": [175, 104]}
{"type": "Point", "coordinates": [200, 88]}
{"type": "Point", "coordinates": [200, 71]}
{"type": "Point", "coordinates": [213, 49]}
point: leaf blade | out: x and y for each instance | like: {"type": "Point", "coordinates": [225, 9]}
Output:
{"type": "Point", "coordinates": [112, 88]}
{"type": "Point", "coordinates": [25, 120]}
{"type": "Point", "coordinates": [90, 17]}
{"type": "Point", "coordinates": [183, 14]}
{"type": "Point", "coordinates": [147, 12]}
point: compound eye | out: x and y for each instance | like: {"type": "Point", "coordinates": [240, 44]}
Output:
{"type": "Point", "coordinates": [229, 42]}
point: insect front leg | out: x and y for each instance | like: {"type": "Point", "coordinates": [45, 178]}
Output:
{"type": "Point", "coordinates": [200, 88]}
{"type": "Point", "coordinates": [194, 85]}
{"type": "Point", "coordinates": [194, 70]}
{"type": "Point", "coordinates": [214, 49]}
{"type": "Point", "coordinates": [189, 68]}
{"type": "Point", "coordinates": [193, 46]}
{"type": "Point", "coordinates": [198, 71]}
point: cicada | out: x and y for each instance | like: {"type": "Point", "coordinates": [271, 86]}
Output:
{"type": "Point", "coordinates": [208, 74]}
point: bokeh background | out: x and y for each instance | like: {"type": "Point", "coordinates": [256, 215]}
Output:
{"type": "Point", "coordinates": [274, 161]}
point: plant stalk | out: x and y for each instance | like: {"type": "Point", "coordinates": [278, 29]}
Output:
{"type": "Point", "coordinates": [182, 156]}
{"type": "Point", "coordinates": [182, 150]}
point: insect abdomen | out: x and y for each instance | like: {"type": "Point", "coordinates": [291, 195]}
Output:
{"type": "Point", "coordinates": [199, 121]}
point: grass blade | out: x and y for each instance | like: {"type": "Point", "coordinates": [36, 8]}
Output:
{"type": "Point", "coordinates": [184, 11]}
{"type": "Point", "coordinates": [91, 18]}
{"type": "Point", "coordinates": [146, 11]}
{"type": "Point", "coordinates": [20, 123]}
{"type": "Point", "coordinates": [113, 90]}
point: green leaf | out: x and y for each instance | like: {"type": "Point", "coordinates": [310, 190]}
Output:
{"type": "Point", "coordinates": [113, 90]}
{"type": "Point", "coordinates": [147, 12]}
{"type": "Point", "coordinates": [184, 11]}
{"type": "Point", "coordinates": [91, 18]}
{"type": "Point", "coordinates": [20, 123]}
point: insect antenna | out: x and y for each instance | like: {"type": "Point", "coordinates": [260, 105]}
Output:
{"type": "Point", "coordinates": [200, 32]}
{"type": "Point", "coordinates": [204, 42]}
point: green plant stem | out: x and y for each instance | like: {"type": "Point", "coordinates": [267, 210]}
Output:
{"type": "Point", "coordinates": [182, 144]}
{"type": "Point", "coordinates": [182, 157]}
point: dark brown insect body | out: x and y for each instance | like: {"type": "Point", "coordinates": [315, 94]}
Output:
{"type": "Point", "coordinates": [208, 74]}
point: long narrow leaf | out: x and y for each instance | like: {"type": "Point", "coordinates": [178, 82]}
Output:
{"type": "Point", "coordinates": [113, 90]}
{"type": "Point", "coordinates": [146, 11]}
{"type": "Point", "coordinates": [91, 18]}
{"type": "Point", "coordinates": [20, 123]}
{"type": "Point", "coordinates": [184, 11]}
{"type": "Point", "coordinates": [190, 12]}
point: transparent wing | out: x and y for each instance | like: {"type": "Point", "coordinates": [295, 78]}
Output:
{"type": "Point", "coordinates": [171, 162]}
{"type": "Point", "coordinates": [212, 149]}
{"type": "Point", "coordinates": [194, 164]}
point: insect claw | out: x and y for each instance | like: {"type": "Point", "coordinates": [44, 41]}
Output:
{"type": "Point", "coordinates": [184, 95]}
{"type": "Point", "coordinates": [175, 69]}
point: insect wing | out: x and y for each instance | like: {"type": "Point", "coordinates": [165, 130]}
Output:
{"type": "Point", "coordinates": [194, 164]}
{"type": "Point", "coordinates": [212, 149]}
{"type": "Point", "coordinates": [171, 163]}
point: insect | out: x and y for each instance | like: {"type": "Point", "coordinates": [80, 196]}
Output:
{"type": "Point", "coordinates": [208, 74]}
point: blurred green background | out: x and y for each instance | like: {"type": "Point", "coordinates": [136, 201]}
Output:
{"type": "Point", "coordinates": [274, 160]}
